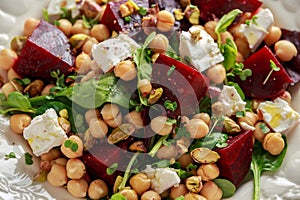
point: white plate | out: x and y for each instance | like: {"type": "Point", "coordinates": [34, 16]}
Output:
{"type": "Point", "coordinates": [15, 175]}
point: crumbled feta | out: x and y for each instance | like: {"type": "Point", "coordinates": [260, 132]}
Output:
{"type": "Point", "coordinates": [110, 52]}
{"type": "Point", "coordinates": [203, 53]}
{"type": "Point", "coordinates": [257, 30]}
{"type": "Point", "coordinates": [54, 7]}
{"type": "Point", "coordinates": [162, 179]}
{"type": "Point", "coordinates": [231, 100]}
{"type": "Point", "coordinates": [44, 132]}
{"type": "Point", "coordinates": [278, 114]}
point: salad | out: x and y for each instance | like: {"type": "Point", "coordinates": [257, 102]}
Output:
{"type": "Point", "coordinates": [152, 99]}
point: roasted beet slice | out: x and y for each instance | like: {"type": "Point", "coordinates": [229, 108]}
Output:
{"type": "Point", "coordinates": [236, 158]}
{"type": "Point", "coordinates": [292, 67]}
{"type": "Point", "coordinates": [46, 50]}
{"type": "Point", "coordinates": [259, 85]}
{"type": "Point", "coordinates": [181, 82]}
{"type": "Point", "coordinates": [211, 9]}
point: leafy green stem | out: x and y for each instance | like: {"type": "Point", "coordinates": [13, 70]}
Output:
{"type": "Point", "coordinates": [256, 175]}
{"type": "Point", "coordinates": [157, 145]}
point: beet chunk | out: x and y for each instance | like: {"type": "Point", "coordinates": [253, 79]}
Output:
{"type": "Point", "coordinates": [46, 50]}
{"type": "Point", "coordinates": [256, 85]}
{"type": "Point", "coordinates": [236, 158]}
{"type": "Point", "coordinates": [211, 9]}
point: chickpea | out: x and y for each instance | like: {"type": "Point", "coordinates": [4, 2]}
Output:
{"type": "Point", "coordinates": [167, 152]}
{"type": "Point", "coordinates": [18, 122]}
{"type": "Point", "coordinates": [51, 155]}
{"type": "Point", "coordinates": [239, 57]}
{"type": "Point", "coordinates": [159, 44]}
{"type": "Point", "coordinates": [226, 35]}
{"type": "Point", "coordinates": [97, 189]}
{"type": "Point", "coordinates": [285, 50]}
{"type": "Point", "coordinates": [78, 27]}
{"type": "Point", "coordinates": [82, 63]}
{"type": "Point", "coordinates": [273, 143]}
{"type": "Point", "coordinates": [135, 118]}
{"type": "Point", "coordinates": [178, 191]}
{"type": "Point", "coordinates": [150, 195]}
{"type": "Point", "coordinates": [242, 46]}
{"type": "Point", "coordinates": [68, 152]}
{"type": "Point", "coordinates": [159, 125]}
{"type": "Point", "coordinates": [75, 168]}
{"type": "Point", "coordinates": [90, 114]}
{"type": "Point", "coordinates": [208, 172]}
{"type": "Point", "coordinates": [100, 32]}
{"type": "Point", "coordinates": [193, 196]}
{"type": "Point", "coordinates": [211, 191]}
{"type": "Point", "coordinates": [111, 115]}
{"type": "Point", "coordinates": [77, 188]}
{"type": "Point", "coordinates": [145, 87]}
{"type": "Point", "coordinates": [87, 46]}
{"type": "Point", "coordinates": [3, 77]}
{"type": "Point", "coordinates": [57, 175]}
{"type": "Point", "coordinates": [60, 161]}
{"type": "Point", "coordinates": [65, 26]}
{"type": "Point", "coordinates": [11, 74]}
{"type": "Point", "coordinates": [98, 128]}
{"type": "Point", "coordinates": [165, 21]}
{"type": "Point", "coordinates": [129, 194]}
{"type": "Point", "coordinates": [7, 58]}
{"type": "Point", "coordinates": [273, 36]}
{"type": "Point", "coordinates": [126, 70]}
{"type": "Point", "coordinates": [29, 25]}
{"type": "Point", "coordinates": [210, 27]}
{"type": "Point", "coordinates": [197, 128]}
{"type": "Point", "coordinates": [185, 160]}
{"type": "Point", "coordinates": [250, 118]}
{"type": "Point", "coordinates": [140, 183]}
{"type": "Point", "coordinates": [203, 116]}
{"type": "Point", "coordinates": [216, 73]}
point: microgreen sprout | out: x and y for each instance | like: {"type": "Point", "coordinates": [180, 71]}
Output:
{"type": "Point", "coordinates": [169, 105]}
{"type": "Point", "coordinates": [264, 128]}
{"type": "Point", "coordinates": [142, 11]}
{"type": "Point", "coordinates": [112, 169]}
{"type": "Point", "coordinates": [171, 70]}
{"type": "Point", "coordinates": [10, 155]}
{"type": "Point", "coordinates": [274, 67]}
{"type": "Point", "coordinates": [71, 144]}
{"type": "Point", "coordinates": [28, 158]}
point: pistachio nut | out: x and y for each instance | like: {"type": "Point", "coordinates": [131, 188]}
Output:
{"type": "Point", "coordinates": [204, 155]}
{"type": "Point", "coordinates": [179, 15]}
{"type": "Point", "coordinates": [194, 184]}
{"type": "Point", "coordinates": [17, 43]}
{"type": "Point", "coordinates": [230, 126]}
{"type": "Point", "coordinates": [78, 40]}
{"type": "Point", "coordinates": [155, 95]}
{"type": "Point", "coordinates": [65, 124]}
{"type": "Point", "coordinates": [138, 146]}
{"type": "Point", "coordinates": [192, 13]}
{"type": "Point", "coordinates": [34, 88]}
{"type": "Point", "coordinates": [120, 133]}
{"type": "Point", "coordinates": [88, 140]}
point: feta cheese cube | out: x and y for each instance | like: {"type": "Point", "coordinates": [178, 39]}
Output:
{"type": "Point", "coordinates": [54, 7]}
{"type": "Point", "coordinates": [44, 132]}
{"type": "Point", "coordinates": [203, 53]}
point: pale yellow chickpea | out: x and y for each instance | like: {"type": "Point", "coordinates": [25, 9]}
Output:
{"type": "Point", "coordinates": [194, 196]}
{"type": "Point", "coordinates": [285, 50]}
{"type": "Point", "coordinates": [250, 118]}
{"type": "Point", "coordinates": [185, 160]}
{"type": "Point", "coordinates": [60, 161]}
{"type": "Point", "coordinates": [126, 70]}
{"type": "Point", "coordinates": [159, 125]}
{"type": "Point", "coordinates": [11, 74]}
{"type": "Point", "coordinates": [98, 128]}
{"type": "Point", "coordinates": [100, 32]}
{"type": "Point", "coordinates": [177, 191]}
{"type": "Point", "coordinates": [226, 35]}
{"type": "Point", "coordinates": [243, 46]}
{"type": "Point", "coordinates": [90, 114]}
{"type": "Point", "coordinates": [97, 189]}
{"type": "Point", "coordinates": [75, 168]}
{"type": "Point", "coordinates": [46, 89]}
{"type": "Point", "coordinates": [203, 116]}
{"type": "Point", "coordinates": [129, 194]}
{"type": "Point", "coordinates": [273, 36]}
{"type": "Point", "coordinates": [210, 27]}
{"type": "Point", "coordinates": [145, 87]}
{"type": "Point", "coordinates": [258, 132]}
{"type": "Point", "coordinates": [208, 172]}
{"type": "Point", "coordinates": [211, 191]}
{"type": "Point", "coordinates": [239, 57]}
{"type": "Point", "coordinates": [65, 26]}
{"type": "Point", "coordinates": [3, 76]}
{"type": "Point", "coordinates": [167, 152]}
{"type": "Point", "coordinates": [134, 118]}
{"type": "Point", "coordinates": [273, 143]}
{"type": "Point", "coordinates": [216, 73]}
{"type": "Point", "coordinates": [82, 63]}
{"type": "Point", "coordinates": [140, 183]}
{"type": "Point", "coordinates": [111, 115]}
{"type": "Point", "coordinates": [7, 58]}
{"type": "Point", "coordinates": [77, 188]}
{"type": "Point", "coordinates": [150, 195]}
{"type": "Point", "coordinates": [51, 155]}
{"type": "Point", "coordinates": [29, 25]}
{"type": "Point", "coordinates": [165, 21]}
{"type": "Point", "coordinates": [87, 46]}
{"type": "Point", "coordinates": [68, 152]}
{"type": "Point", "coordinates": [18, 122]}
{"type": "Point", "coordinates": [78, 27]}
{"type": "Point", "coordinates": [197, 128]}
{"type": "Point", "coordinates": [57, 175]}
{"type": "Point", "coordinates": [159, 44]}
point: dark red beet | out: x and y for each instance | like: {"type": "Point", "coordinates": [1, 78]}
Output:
{"type": "Point", "coordinates": [185, 83]}
{"type": "Point", "coordinates": [46, 50]}
{"type": "Point", "coordinates": [292, 67]}
{"type": "Point", "coordinates": [236, 158]}
{"type": "Point", "coordinates": [211, 9]}
{"type": "Point", "coordinates": [259, 63]}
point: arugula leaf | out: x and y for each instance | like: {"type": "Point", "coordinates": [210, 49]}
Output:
{"type": "Point", "coordinates": [264, 161]}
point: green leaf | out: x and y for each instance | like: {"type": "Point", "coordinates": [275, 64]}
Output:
{"type": "Point", "coordinates": [16, 101]}
{"type": "Point", "coordinates": [72, 145]}
{"type": "Point", "coordinates": [45, 15]}
{"type": "Point", "coordinates": [238, 89]}
{"type": "Point", "coordinates": [112, 169]}
{"type": "Point", "coordinates": [180, 198]}
{"type": "Point", "coordinates": [171, 70]}
{"type": "Point", "coordinates": [10, 155]}
{"type": "Point", "coordinates": [229, 51]}
{"type": "Point", "coordinates": [142, 11]}
{"type": "Point", "coordinates": [169, 105]}
{"type": "Point", "coordinates": [117, 196]}
{"type": "Point", "coordinates": [227, 187]}
{"type": "Point", "coordinates": [211, 141]}
{"type": "Point", "coordinates": [28, 158]}
{"type": "Point", "coordinates": [264, 128]}
{"type": "Point", "coordinates": [274, 66]}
